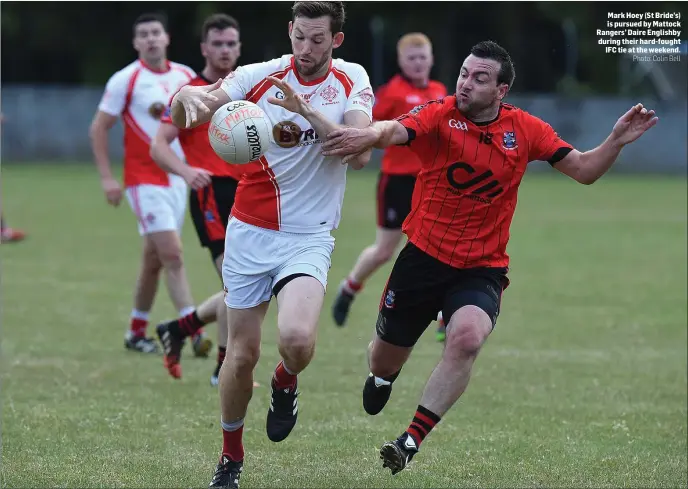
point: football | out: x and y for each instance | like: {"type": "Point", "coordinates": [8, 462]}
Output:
{"type": "Point", "coordinates": [239, 132]}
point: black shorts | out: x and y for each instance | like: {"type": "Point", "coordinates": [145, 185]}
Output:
{"type": "Point", "coordinates": [394, 195]}
{"type": "Point", "coordinates": [420, 286]}
{"type": "Point", "coordinates": [210, 208]}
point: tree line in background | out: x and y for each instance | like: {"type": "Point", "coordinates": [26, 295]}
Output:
{"type": "Point", "coordinates": [77, 43]}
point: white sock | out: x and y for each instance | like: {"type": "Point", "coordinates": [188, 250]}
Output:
{"type": "Point", "coordinates": [136, 314]}
{"type": "Point", "coordinates": [286, 369]}
{"type": "Point", "coordinates": [185, 311]}
{"type": "Point", "coordinates": [232, 426]}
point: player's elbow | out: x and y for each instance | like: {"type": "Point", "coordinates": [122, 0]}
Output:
{"type": "Point", "coordinates": [587, 180]}
{"type": "Point", "coordinates": [585, 177]}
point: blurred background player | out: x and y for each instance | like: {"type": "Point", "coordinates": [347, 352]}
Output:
{"type": "Point", "coordinates": [285, 210]}
{"type": "Point", "coordinates": [8, 234]}
{"type": "Point", "coordinates": [400, 166]}
{"type": "Point", "coordinates": [139, 94]}
{"type": "Point", "coordinates": [456, 259]}
{"type": "Point", "coordinates": [213, 182]}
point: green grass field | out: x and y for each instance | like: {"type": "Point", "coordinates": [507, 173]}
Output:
{"type": "Point", "coordinates": [583, 383]}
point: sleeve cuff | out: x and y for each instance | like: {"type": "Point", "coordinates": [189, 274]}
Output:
{"type": "Point", "coordinates": [559, 155]}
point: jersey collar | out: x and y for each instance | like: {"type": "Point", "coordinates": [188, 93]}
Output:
{"type": "Point", "coordinates": [168, 67]}
{"type": "Point", "coordinates": [478, 124]}
{"type": "Point", "coordinates": [312, 82]}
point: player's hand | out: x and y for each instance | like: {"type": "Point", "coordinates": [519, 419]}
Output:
{"type": "Point", "coordinates": [197, 178]}
{"type": "Point", "coordinates": [349, 142]}
{"type": "Point", "coordinates": [113, 191]}
{"type": "Point", "coordinates": [292, 101]}
{"type": "Point", "coordinates": [633, 124]}
{"type": "Point", "coordinates": [194, 99]}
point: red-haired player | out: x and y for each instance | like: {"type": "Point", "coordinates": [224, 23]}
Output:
{"type": "Point", "coordinates": [400, 165]}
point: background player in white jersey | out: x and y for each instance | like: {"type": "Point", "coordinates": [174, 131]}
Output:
{"type": "Point", "coordinates": [139, 94]}
{"type": "Point", "coordinates": [213, 182]}
{"type": "Point", "coordinates": [279, 236]}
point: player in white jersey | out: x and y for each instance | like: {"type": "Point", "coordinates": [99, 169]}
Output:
{"type": "Point", "coordinates": [139, 94]}
{"type": "Point", "coordinates": [278, 240]}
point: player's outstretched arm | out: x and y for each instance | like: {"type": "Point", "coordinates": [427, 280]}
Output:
{"type": "Point", "coordinates": [162, 153]}
{"type": "Point", "coordinates": [194, 105]}
{"type": "Point", "coordinates": [321, 124]}
{"type": "Point", "coordinates": [349, 142]}
{"type": "Point", "coordinates": [588, 167]}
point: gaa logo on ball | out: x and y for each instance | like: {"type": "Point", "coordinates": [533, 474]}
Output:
{"type": "Point", "coordinates": [239, 132]}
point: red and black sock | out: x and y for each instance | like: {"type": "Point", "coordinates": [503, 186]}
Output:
{"type": "Point", "coordinates": [221, 352]}
{"type": "Point", "coordinates": [282, 378]}
{"type": "Point", "coordinates": [423, 422]}
{"type": "Point", "coordinates": [186, 326]}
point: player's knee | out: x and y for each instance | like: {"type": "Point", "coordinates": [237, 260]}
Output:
{"type": "Point", "coordinates": [466, 333]}
{"type": "Point", "coordinates": [297, 344]}
{"type": "Point", "coordinates": [171, 257]}
{"type": "Point", "coordinates": [383, 254]}
{"type": "Point", "coordinates": [151, 261]}
{"type": "Point", "coordinates": [245, 357]}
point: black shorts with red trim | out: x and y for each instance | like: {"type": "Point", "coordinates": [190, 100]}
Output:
{"type": "Point", "coordinates": [394, 196]}
{"type": "Point", "coordinates": [210, 208]}
{"type": "Point", "coordinates": [420, 286]}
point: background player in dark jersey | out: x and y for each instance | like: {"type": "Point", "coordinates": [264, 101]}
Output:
{"type": "Point", "coordinates": [475, 150]}
{"type": "Point", "coordinates": [213, 185]}
{"type": "Point", "coordinates": [400, 165]}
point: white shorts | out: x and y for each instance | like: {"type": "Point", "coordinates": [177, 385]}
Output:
{"type": "Point", "coordinates": [256, 259]}
{"type": "Point", "coordinates": [159, 208]}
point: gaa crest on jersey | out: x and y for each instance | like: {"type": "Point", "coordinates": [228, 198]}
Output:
{"type": "Point", "coordinates": [156, 110]}
{"type": "Point", "coordinates": [389, 299]}
{"type": "Point", "coordinates": [509, 141]}
{"type": "Point", "coordinates": [329, 94]}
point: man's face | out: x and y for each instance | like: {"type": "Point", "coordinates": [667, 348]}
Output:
{"type": "Point", "coordinates": [416, 62]}
{"type": "Point", "coordinates": [477, 87]}
{"type": "Point", "coordinates": [151, 41]}
{"type": "Point", "coordinates": [222, 49]}
{"type": "Point", "coordinates": [312, 43]}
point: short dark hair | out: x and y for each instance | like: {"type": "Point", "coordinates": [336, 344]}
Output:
{"type": "Point", "coordinates": [313, 10]}
{"type": "Point", "coordinates": [492, 50]}
{"type": "Point", "coordinates": [219, 22]}
{"type": "Point", "coordinates": [150, 17]}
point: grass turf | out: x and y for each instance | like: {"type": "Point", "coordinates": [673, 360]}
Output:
{"type": "Point", "coordinates": [583, 383]}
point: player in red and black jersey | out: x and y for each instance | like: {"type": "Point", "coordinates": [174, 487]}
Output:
{"type": "Point", "coordinates": [475, 150]}
{"type": "Point", "coordinates": [400, 165]}
{"type": "Point", "coordinates": [213, 184]}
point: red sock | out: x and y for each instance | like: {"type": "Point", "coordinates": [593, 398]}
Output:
{"type": "Point", "coordinates": [232, 444]}
{"type": "Point", "coordinates": [190, 324]}
{"type": "Point", "coordinates": [138, 327]}
{"type": "Point", "coordinates": [221, 352]}
{"type": "Point", "coordinates": [423, 422]}
{"type": "Point", "coordinates": [282, 379]}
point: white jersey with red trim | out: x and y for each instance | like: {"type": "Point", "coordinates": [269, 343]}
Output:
{"type": "Point", "coordinates": [140, 94]}
{"type": "Point", "coordinates": [293, 187]}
